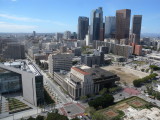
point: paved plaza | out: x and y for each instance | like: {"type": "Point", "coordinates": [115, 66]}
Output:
{"type": "Point", "coordinates": [72, 109]}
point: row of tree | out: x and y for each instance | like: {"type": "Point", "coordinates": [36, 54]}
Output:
{"type": "Point", "coordinates": [147, 79]}
{"type": "Point", "coordinates": [154, 67]}
{"type": "Point", "coordinates": [111, 90]}
{"type": "Point", "coordinates": [2, 59]}
{"type": "Point", "coordinates": [48, 99]}
{"type": "Point", "coordinates": [152, 92]}
{"type": "Point", "coordinates": [43, 65]}
{"type": "Point", "coordinates": [51, 116]}
{"type": "Point", "coordinates": [102, 101]}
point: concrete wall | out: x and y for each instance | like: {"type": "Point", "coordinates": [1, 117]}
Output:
{"type": "Point", "coordinates": [29, 89]}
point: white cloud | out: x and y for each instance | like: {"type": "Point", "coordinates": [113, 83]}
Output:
{"type": "Point", "coordinates": [24, 19]}
{"type": "Point", "coordinates": [27, 19]}
{"type": "Point", "coordinates": [10, 27]}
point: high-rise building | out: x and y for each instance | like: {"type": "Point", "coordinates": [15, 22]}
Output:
{"type": "Point", "coordinates": [136, 28]}
{"type": "Point", "coordinates": [58, 36]}
{"type": "Point", "coordinates": [102, 34]}
{"type": "Point", "coordinates": [110, 26]}
{"type": "Point", "coordinates": [96, 25]}
{"type": "Point", "coordinates": [14, 51]}
{"type": "Point", "coordinates": [74, 35]}
{"type": "Point", "coordinates": [122, 23]}
{"type": "Point", "coordinates": [59, 61]}
{"type": "Point", "coordinates": [116, 49]}
{"type": "Point", "coordinates": [34, 33]}
{"type": "Point", "coordinates": [83, 23]}
{"type": "Point", "coordinates": [67, 35]}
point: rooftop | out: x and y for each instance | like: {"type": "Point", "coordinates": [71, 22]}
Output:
{"type": "Point", "coordinates": [98, 73]}
{"type": "Point", "coordinates": [80, 70]}
{"type": "Point", "coordinates": [24, 66]}
{"type": "Point", "coordinates": [16, 63]}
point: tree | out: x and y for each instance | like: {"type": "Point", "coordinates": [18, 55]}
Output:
{"type": "Point", "coordinates": [151, 71]}
{"type": "Point", "coordinates": [48, 99]}
{"type": "Point", "coordinates": [83, 98]}
{"type": "Point", "coordinates": [56, 116]}
{"type": "Point", "coordinates": [147, 79]}
{"type": "Point", "coordinates": [114, 89]}
{"type": "Point", "coordinates": [98, 116]}
{"type": "Point", "coordinates": [40, 117]}
{"type": "Point", "coordinates": [103, 91]}
{"type": "Point", "coordinates": [102, 102]}
{"type": "Point", "coordinates": [142, 70]}
{"type": "Point", "coordinates": [45, 66]}
{"type": "Point", "coordinates": [74, 62]}
{"type": "Point", "coordinates": [90, 110]}
{"type": "Point", "coordinates": [135, 67]}
{"type": "Point", "coordinates": [38, 62]}
{"type": "Point", "coordinates": [76, 118]}
{"type": "Point", "coordinates": [31, 118]}
{"type": "Point", "coordinates": [42, 65]}
{"type": "Point", "coordinates": [147, 70]}
{"type": "Point", "coordinates": [2, 59]}
{"type": "Point", "coordinates": [137, 83]}
{"type": "Point", "coordinates": [154, 67]}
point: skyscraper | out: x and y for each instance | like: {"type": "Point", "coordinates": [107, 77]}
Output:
{"type": "Point", "coordinates": [122, 23]}
{"type": "Point", "coordinates": [110, 26]}
{"type": "Point", "coordinates": [83, 23]}
{"type": "Point", "coordinates": [67, 35]}
{"type": "Point", "coordinates": [96, 25]}
{"type": "Point", "coordinates": [34, 33]}
{"type": "Point", "coordinates": [136, 28]}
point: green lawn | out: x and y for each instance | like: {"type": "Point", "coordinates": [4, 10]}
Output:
{"type": "Point", "coordinates": [139, 62]}
{"type": "Point", "coordinates": [16, 105]}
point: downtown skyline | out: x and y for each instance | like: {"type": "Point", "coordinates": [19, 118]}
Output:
{"type": "Point", "coordinates": [59, 16]}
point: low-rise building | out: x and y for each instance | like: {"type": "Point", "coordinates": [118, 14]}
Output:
{"type": "Point", "coordinates": [26, 79]}
{"type": "Point", "coordinates": [83, 80]}
{"type": "Point", "coordinates": [13, 51]}
{"type": "Point", "coordinates": [97, 58]}
{"type": "Point", "coordinates": [40, 56]}
{"type": "Point", "coordinates": [60, 61]}
{"type": "Point", "coordinates": [32, 51]}
{"type": "Point", "coordinates": [76, 51]}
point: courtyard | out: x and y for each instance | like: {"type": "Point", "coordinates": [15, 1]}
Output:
{"type": "Point", "coordinates": [72, 109]}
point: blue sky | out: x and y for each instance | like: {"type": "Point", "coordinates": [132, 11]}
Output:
{"type": "Point", "coordinates": [60, 15]}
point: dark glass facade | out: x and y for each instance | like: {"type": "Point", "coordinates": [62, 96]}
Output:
{"type": "Point", "coordinates": [136, 27]}
{"type": "Point", "coordinates": [10, 82]}
{"type": "Point", "coordinates": [39, 90]}
{"type": "Point", "coordinates": [83, 23]}
{"type": "Point", "coordinates": [96, 26]}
